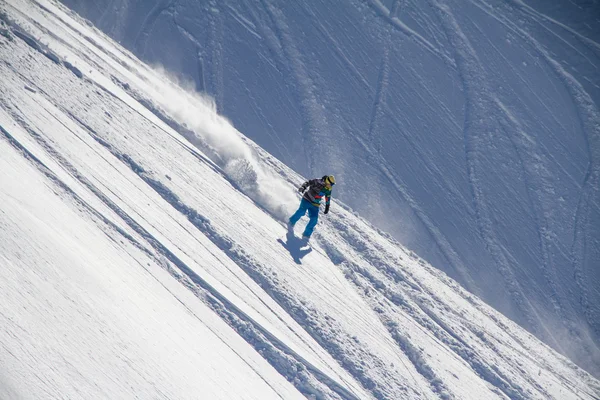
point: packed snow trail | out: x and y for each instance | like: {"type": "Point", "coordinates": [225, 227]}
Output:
{"type": "Point", "coordinates": [384, 95]}
{"type": "Point", "coordinates": [124, 218]}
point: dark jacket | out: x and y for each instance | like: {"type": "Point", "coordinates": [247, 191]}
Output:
{"type": "Point", "coordinates": [316, 191]}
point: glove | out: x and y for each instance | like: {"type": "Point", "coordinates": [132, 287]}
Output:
{"type": "Point", "coordinates": [303, 187]}
{"type": "Point", "coordinates": [326, 209]}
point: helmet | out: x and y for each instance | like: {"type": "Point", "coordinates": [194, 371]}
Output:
{"type": "Point", "coordinates": [329, 179]}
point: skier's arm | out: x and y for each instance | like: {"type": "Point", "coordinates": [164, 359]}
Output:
{"type": "Point", "coordinates": [303, 187]}
{"type": "Point", "coordinates": [306, 184]}
{"type": "Point", "coordinates": [327, 201]}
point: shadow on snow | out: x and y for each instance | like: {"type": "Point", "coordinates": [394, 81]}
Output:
{"type": "Point", "coordinates": [296, 246]}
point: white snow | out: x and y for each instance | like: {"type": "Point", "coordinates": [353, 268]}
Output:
{"type": "Point", "coordinates": [468, 130]}
{"type": "Point", "coordinates": [143, 255]}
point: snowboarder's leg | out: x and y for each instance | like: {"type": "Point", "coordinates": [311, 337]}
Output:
{"type": "Point", "coordinates": [313, 213]}
{"type": "Point", "coordinates": [299, 213]}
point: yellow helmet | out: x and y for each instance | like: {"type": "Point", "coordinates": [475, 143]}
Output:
{"type": "Point", "coordinates": [329, 179]}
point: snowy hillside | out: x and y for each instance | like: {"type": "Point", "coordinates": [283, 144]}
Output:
{"type": "Point", "coordinates": [467, 129]}
{"type": "Point", "coordinates": [143, 254]}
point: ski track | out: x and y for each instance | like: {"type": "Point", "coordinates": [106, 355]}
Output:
{"type": "Point", "coordinates": [230, 311]}
{"type": "Point", "coordinates": [430, 166]}
{"type": "Point", "coordinates": [589, 119]}
{"type": "Point", "coordinates": [527, 84]}
{"type": "Point", "coordinates": [382, 107]}
{"type": "Point", "coordinates": [215, 43]}
{"type": "Point", "coordinates": [107, 18]}
{"type": "Point", "coordinates": [271, 43]}
{"type": "Point", "coordinates": [480, 103]}
{"type": "Point", "coordinates": [375, 293]}
{"type": "Point", "coordinates": [539, 184]}
{"type": "Point", "coordinates": [400, 291]}
{"type": "Point", "coordinates": [243, 21]}
{"type": "Point", "coordinates": [397, 297]}
{"type": "Point", "coordinates": [526, 9]}
{"type": "Point", "coordinates": [384, 13]}
{"type": "Point", "coordinates": [590, 193]}
{"type": "Point", "coordinates": [532, 165]}
{"type": "Point", "coordinates": [280, 294]}
{"type": "Point", "coordinates": [224, 244]}
{"type": "Point", "coordinates": [523, 17]}
{"type": "Point", "coordinates": [474, 329]}
{"type": "Point", "coordinates": [127, 92]}
{"type": "Point", "coordinates": [447, 334]}
{"type": "Point", "coordinates": [314, 120]}
{"type": "Point", "coordinates": [201, 81]}
{"type": "Point", "coordinates": [441, 242]}
{"type": "Point", "coordinates": [376, 112]}
{"type": "Point", "coordinates": [382, 84]}
{"type": "Point", "coordinates": [218, 76]}
{"type": "Point", "coordinates": [141, 38]}
{"type": "Point", "coordinates": [277, 53]}
{"type": "Point", "coordinates": [123, 157]}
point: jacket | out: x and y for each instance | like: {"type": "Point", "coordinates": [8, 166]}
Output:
{"type": "Point", "coordinates": [316, 191]}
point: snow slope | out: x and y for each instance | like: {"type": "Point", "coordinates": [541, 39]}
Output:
{"type": "Point", "coordinates": [143, 256]}
{"type": "Point", "coordinates": [469, 130]}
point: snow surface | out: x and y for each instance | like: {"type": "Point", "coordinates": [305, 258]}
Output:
{"type": "Point", "coordinates": [143, 255]}
{"type": "Point", "coordinates": [467, 129]}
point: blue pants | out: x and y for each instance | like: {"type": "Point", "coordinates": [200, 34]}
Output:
{"type": "Point", "coordinates": [313, 213]}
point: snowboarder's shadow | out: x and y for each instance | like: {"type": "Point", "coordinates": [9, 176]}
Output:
{"type": "Point", "coordinates": [295, 246]}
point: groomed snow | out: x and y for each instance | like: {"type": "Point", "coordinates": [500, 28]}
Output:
{"type": "Point", "coordinates": [468, 130]}
{"type": "Point", "coordinates": [144, 255]}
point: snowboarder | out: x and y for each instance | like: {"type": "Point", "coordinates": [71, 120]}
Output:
{"type": "Point", "coordinates": [313, 191]}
